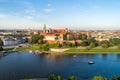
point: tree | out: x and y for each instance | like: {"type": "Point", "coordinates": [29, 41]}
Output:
{"type": "Point", "coordinates": [99, 78]}
{"type": "Point", "coordinates": [111, 44]}
{"type": "Point", "coordinates": [72, 78]}
{"type": "Point", "coordinates": [84, 43]}
{"type": "Point", "coordinates": [77, 44]}
{"type": "Point", "coordinates": [59, 45]}
{"type": "Point", "coordinates": [84, 37]}
{"type": "Point", "coordinates": [1, 42]}
{"type": "Point", "coordinates": [72, 38]}
{"type": "Point", "coordinates": [104, 45]}
{"type": "Point", "coordinates": [64, 36]}
{"type": "Point", "coordinates": [105, 42]}
{"type": "Point", "coordinates": [56, 38]}
{"type": "Point", "coordinates": [80, 36]}
{"type": "Point", "coordinates": [54, 77]}
{"type": "Point", "coordinates": [40, 47]}
{"type": "Point", "coordinates": [88, 47]}
{"type": "Point", "coordinates": [115, 41]}
{"type": "Point", "coordinates": [1, 48]}
{"type": "Point", "coordinates": [97, 43]}
{"type": "Point", "coordinates": [35, 38]}
{"type": "Point", "coordinates": [92, 45]}
{"type": "Point", "coordinates": [59, 78]}
{"type": "Point", "coordinates": [45, 47]}
{"type": "Point", "coordinates": [91, 40]}
{"type": "Point", "coordinates": [68, 44]}
{"type": "Point", "coordinates": [40, 41]}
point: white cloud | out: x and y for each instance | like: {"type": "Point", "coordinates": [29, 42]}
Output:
{"type": "Point", "coordinates": [28, 7]}
{"type": "Point", "coordinates": [94, 7]}
{"type": "Point", "coordinates": [48, 10]}
{"type": "Point", "coordinates": [29, 17]}
{"type": "Point", "coordinates": [31, 12]}
{"type": "Point", "coordinates": [2, 15]}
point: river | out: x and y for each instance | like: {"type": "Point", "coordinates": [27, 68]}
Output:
{"type": "Point", "coordinates": [22, 65]}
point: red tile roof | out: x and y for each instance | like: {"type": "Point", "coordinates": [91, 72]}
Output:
{"type": "Point", "coordinates": [47, 34]}
{"type": "Point", "coordinates": [70, 35]}
{"type": "Point", "coordinates": [58, 31]}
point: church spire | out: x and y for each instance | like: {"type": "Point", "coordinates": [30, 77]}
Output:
{"type": "Point", "coordinates": [44, 28]}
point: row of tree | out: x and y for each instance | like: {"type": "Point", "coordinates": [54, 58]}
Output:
{"type": "Point", "coordinates": [54, 77]}
{"type": "Point", "coordinates": [90, 42]}
{"type": "Point", "coordinates": [36, 39]}
{"type": "Point", "coordinates": [80, 37]}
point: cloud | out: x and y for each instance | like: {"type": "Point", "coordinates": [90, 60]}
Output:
{"type": "Point", "coordinates": [28, 7]}
{"type": "Point", "coordinates": [31, 12]}
{"type": "Point", "coordinates": [93, 8]}
{"type": "Point", "coordinates": [48, 10]}
{"type": "Point", "coordinates": [29, 17]}
{"type": "Point", "coordinates": [2, 15]}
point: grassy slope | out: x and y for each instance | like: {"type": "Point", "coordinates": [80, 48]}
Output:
{"type": "Point", "coordinates": [34, 47]}
{"type": "Point", "coordinates": [78, 50]}
{"type": "Point", "coordinates": [94, 50]}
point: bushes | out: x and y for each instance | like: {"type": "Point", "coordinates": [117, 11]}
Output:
{"type": "Point", "coordinates": [104, 46]}
{"type": "Point", "coordinates": [72, 78]}
{"type": "Point", "coordinates": [88, 48]}
{"type": "Point", "coordinates": [44, 47]}
{"type": "Point", "coordinates": [36, 39]}
{"type": "Point", "coordinates": [54, 77]}
{"type": "Point", "coordinates": [1, 49]}
{"type": "Point", "coordinates": [92, 45]}
{"type": "Point", "coordinates": [99, 78]}
{"type": "Point", "coordinates": [84, 43]}
{"type": "Point", "coordinates": [1, 42]}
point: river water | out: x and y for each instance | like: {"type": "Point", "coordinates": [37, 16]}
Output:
{"type": "Point", "coordinates": [22, 65]}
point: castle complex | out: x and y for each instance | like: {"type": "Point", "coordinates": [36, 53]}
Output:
{"type": "Point", "coordinates": [59, 35]}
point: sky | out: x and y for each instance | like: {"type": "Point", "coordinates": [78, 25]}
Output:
{"type": "Point", "coordinates": [72, 14]}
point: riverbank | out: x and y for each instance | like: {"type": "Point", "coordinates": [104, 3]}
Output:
{"type": "Point", "coordinates": [93, 51]}
{"type": "Point", "coordinates": [77, 50]}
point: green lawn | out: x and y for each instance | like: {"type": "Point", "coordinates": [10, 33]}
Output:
{"type": "Point", "coordinates": [98, 49]}
{"type": "Point", "coordinates": [33, 48]}
{"type": "Point", "coordinates": [94, 50]}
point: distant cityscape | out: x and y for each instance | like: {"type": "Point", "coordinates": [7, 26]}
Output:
{"type": "Point", "coordinates": [12, 37]}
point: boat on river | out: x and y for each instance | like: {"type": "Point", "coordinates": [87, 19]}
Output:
{"type": "Point", "coordinates": [30, 51]}
{"type": "Point", "coordinates": [91, 62]}
{"type": "Point", "coordinates": [74, 55]}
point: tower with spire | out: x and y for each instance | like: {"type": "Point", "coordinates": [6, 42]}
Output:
{"type": "Point", "coordinates": [44, 29]}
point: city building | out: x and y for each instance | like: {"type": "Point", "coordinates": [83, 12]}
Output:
{"type": "Point", "coordinates": [53, 35]}
{"type": "Point", "coordinates": [9, 41]}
